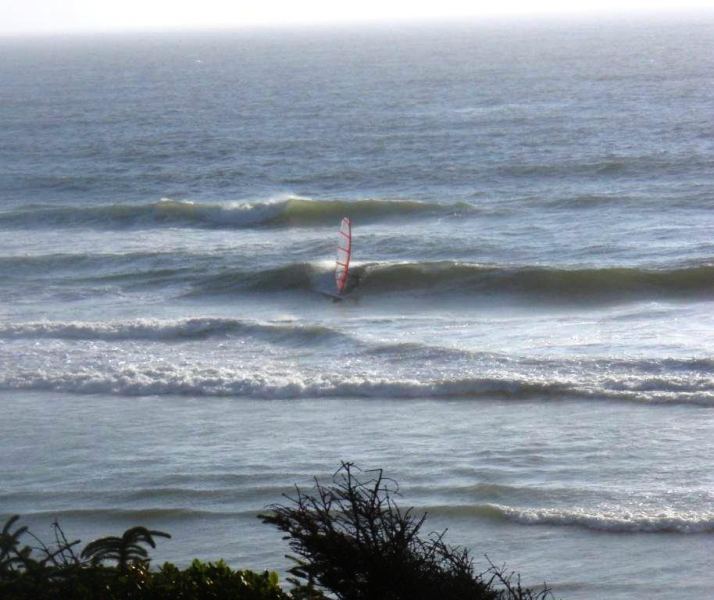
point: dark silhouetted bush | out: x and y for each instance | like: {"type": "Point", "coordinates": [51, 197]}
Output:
{"type": "Point", "coordinates": [58, 573]}
{"type": "Point", "coordinates": [352, 540]}
{"type": "Point", "coordinates": [125, 550]}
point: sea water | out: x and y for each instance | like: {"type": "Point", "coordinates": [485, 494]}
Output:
{"type": "Point", "coordinates": [526, 345]}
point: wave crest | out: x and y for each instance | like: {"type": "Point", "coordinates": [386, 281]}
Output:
{"type": "Point", "coordinates": [608, 519]}
{"type": "Point", "coordinates": [197, 328]}
{"type": "Point", "coordinates": [450, 277]}
{"type": "Point", "coordinates": [287, 212]}
{"type": "Point", "coordinates": [165, 379]}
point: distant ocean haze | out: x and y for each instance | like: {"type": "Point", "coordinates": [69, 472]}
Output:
{"type": "Point", "coordinates": [526, 345]}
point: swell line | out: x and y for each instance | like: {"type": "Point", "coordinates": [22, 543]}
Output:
{"type": "Point", "coordinates": [452, 277]}
{"type": "Point", "coordinates": [205, 381]}
{"type": "Point", "coordinates": [290, 212]}
{"type": "Point", "coordinates": [197, 328]}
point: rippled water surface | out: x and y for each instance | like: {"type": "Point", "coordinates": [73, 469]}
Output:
{"type": "Point", "coordinates": [526, 342]}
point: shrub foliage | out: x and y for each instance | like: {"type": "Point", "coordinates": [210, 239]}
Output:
{"type": "Point", "coordinates": [351, 540]}
{"type": "Point", "coordinates": [60, 573]}
{"type": "Point", "coordinates": [354, 541]}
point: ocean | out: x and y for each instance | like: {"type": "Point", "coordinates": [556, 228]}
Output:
{"type": "Point", "coordinates": [527, 342]}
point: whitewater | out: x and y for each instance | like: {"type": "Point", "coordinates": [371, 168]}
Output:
{"type": "Point", "coordinates": [526, 344]}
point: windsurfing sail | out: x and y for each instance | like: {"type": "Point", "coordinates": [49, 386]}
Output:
{"type": "Point", "coordinates": [344, 251]}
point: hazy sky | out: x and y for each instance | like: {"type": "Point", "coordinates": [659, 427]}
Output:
{"type": "Point", "coordinates": [19, 16]}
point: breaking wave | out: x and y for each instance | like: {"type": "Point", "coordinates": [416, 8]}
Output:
{"type": "Point", "coordinates": [221, 381]}
{"type": "Point", "coordinates": [287, 212]}
{"type": "Point", "coordinates": [198, 275]}
{"type": "Point", "coordinates": [547, 283]}
{"type": "Point", "coordinates": [534, 281]}
{"type": "Point", "coordinates": [610, 519]}
{"type": "Point", "coordinates": [163, 379]}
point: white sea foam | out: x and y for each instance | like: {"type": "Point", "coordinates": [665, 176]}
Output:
{"type": "Point", "coordinates": [192, 376]}
{"type": "Point", "coordinates": [166, 379]}
{"type": "Point", "coordinates": [132, 357]}
{"type": "Point", "coordinates": [650, 520]}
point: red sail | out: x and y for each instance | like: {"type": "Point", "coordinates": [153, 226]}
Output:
{"type": "Point", "coordinates": [344, 251]}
